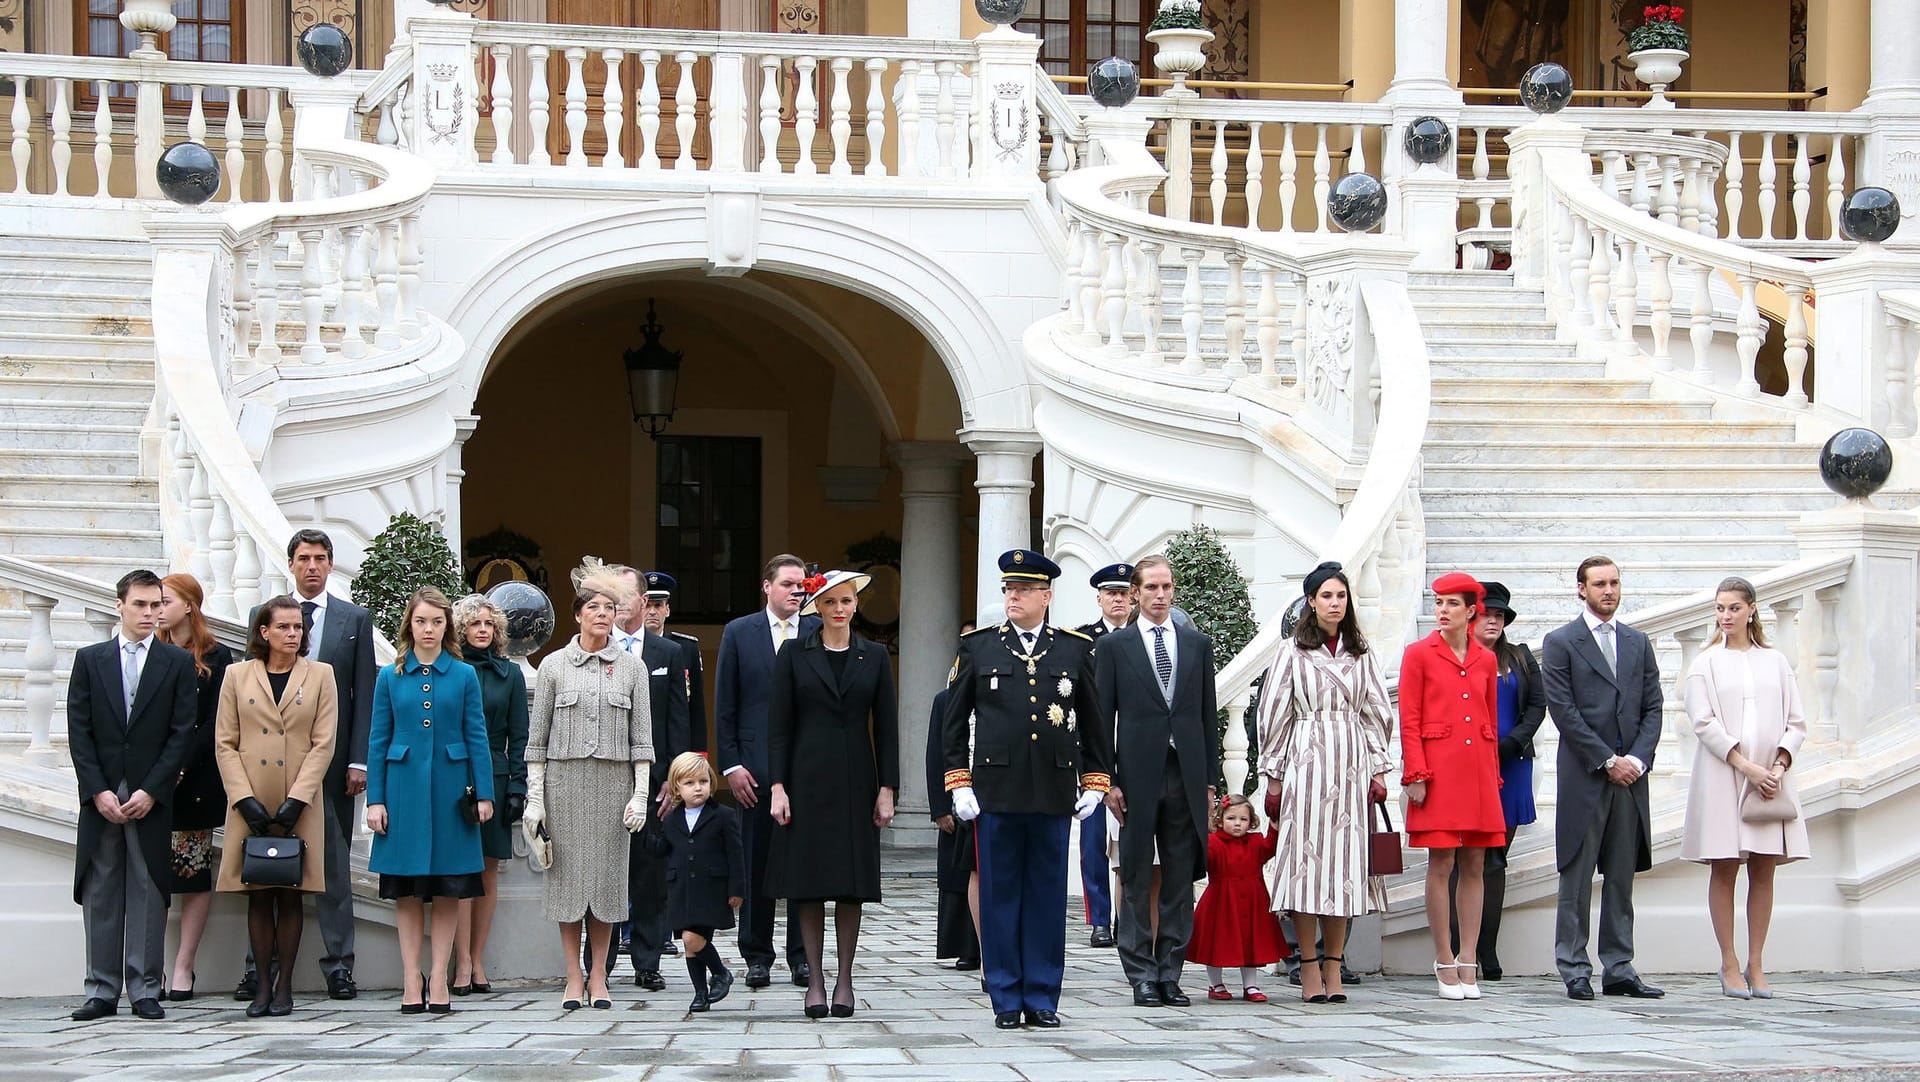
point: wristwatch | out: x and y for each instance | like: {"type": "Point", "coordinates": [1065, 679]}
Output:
{"type": "Point", "coordinates": [1608, 765]}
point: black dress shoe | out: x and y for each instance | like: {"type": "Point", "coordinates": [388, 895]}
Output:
{"type": "Point", "coordinates": [1043, 1018]}
{"type": "Point", "coordinates": [700, 1004]}
{"type": "Point", "coordinates": [1102, 937]}
{"type": "Point", "coordinates": [447, 1007]}
{"type": "Point", "coordinates": [279, 1008]}
{"type": "Point", "coordinates": [149, 1009]}
{"type": "Point", "coordinates": [461, 989]}
{"type": "Point", "coordinates": [1580, 988]}
{"type": "Point", "coordinates": [340, 984]}
{"type": "Point", "coordinates": [650, 979]}
{"type": "Point", "coordinates": [967, 965]}
{"type": "Point", "coordinates": [802, 973]}
{"type": "Point", "coordinates": [259, 1008]}
{"type": "Point", "coordinates": [421, 1008]}
{"type": "Point", "coordinates": [1632, 986]}
{"type": "Point", "coordinates": [758, 975]}
{"type": "Point", "coordinates": [1147, 994]}
{"type": "Point", "coordinates": [481, 988]}
{"type": "Point", "coordinates": [95, 1008]}
{"type": "Point", "coordinates": [1172, 996]}
{"type": "Point", "coordinates": [1006, 1020]}
{"type": "Point", "coordinates": [248, 987]}
{"type": "Point", "coordinates": [720, 984]}
{"type": "Point", "coordinates": [1490, 974]}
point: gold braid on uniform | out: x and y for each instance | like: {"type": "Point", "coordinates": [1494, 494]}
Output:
{"type": "Point", "coordinates": [959, 779]}
{"type": "Point", "coordinates": [1096, 783]}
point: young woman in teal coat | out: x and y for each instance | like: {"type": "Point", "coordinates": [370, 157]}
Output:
{"type": "Point", "coordinates": [418, 772]}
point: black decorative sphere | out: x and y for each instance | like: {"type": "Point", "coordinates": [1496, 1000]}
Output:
{"type": "Point", "coordinates": [529, 614]}
{"type": "Point", "coordinates": [1114, 82]}
{"type": "Point", "coordinates": [1546, 88]}
{"type": "Point", "coordinates": [189, 174]}
{"type": "Point", "coordinates": [1291, 618]}
{"type": "Point", "coordinates": [1000, 12]}
{"type": "Point", "coordinates": [1429, 140]}
{"type": "Point", "coordinates": [1856, 462]}
{"type": "Point", "coordinates": [325, 50]}
{"type": "Point", "coordinates": [1357, 202]}
{"type": "Point", "coordinates": [1871, 214]}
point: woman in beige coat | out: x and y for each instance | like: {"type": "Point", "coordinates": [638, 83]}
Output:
{"type": "Point", "coordinates": [1745, 706]}
{"type": "Point", "coordinates": [273, 739]}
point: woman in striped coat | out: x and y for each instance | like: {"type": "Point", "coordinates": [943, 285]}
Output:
{"type": "Point", "coordinates": [1324, 725]}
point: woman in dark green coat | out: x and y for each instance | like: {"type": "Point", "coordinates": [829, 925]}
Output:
{"type": "Point", "coordinates": [481, 629]}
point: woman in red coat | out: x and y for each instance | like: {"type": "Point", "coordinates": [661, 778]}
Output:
{"type": "Point", "coordinates": [1234, 926]}
{"type": "Point", "coordinates": [1448, 739]}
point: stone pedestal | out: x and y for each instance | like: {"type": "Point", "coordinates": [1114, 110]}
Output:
{"type": "Point", "coordinates": [1870, 634]}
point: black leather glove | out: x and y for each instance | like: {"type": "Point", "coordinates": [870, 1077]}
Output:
{"type": "Point", "coordinates": [255, 813]}
{"type": "Point", "coordinates": [516, 807]}
{"type": "Point", "coordinates": [289, 812]}
{"type": "Point", "coordinates": [1509, 750]}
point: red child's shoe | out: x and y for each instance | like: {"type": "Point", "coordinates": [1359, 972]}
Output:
{"type": "Point", "coordinates": [1254, 995]}
{"type": "Point", "coordinates": [1218, 991]}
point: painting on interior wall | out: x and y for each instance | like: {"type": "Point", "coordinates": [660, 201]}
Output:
{"type": "Point", "coordinates": [798, 17]}
{"type": "Point", "coordinates": [1501, 39]}
{"type": "Point", "coordinates": [1228, 52]}
{"type": "Point", "coordinates": [13, 33]}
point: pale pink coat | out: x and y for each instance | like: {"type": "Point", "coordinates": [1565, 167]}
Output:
{"type": "Point", "coordinates": [1717, 697]}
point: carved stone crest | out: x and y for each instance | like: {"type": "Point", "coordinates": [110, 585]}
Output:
{"type": "Point", "coordinates": [1903, 176]}
{"type": "Point", "coordinates": [443, 103]}
{"type": "Point", "coordinates": [1327, 368]}
{"type": "Point", "coordinates": [1011, 120]}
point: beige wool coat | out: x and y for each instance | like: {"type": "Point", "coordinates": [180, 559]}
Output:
{"type": "Point", "coordinates": [271, 751]}
{"type": "Point", "coordinates": [1717, 697]}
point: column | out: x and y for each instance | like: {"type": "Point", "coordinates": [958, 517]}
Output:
{"type": "Point", "coordinates": [1893, 108]}
{"type": "Point", "coordinates": [1420, 36]}
{"type": "Point", "coordinates": [930, 610]}
{"type": "Point", "coordinates": [463, 427]}
{"type": "Point", "coordinates": [1894, 63]}
{"type": "Point", "coordinates": [1003, 475]}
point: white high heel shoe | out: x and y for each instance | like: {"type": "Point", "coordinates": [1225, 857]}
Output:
{"type": "Point", "coordinates": [1447, 991]}
{"type": "Point", "coordinates": [1468, 991]}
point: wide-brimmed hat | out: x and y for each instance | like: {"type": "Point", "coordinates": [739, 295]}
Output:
{"type": "Point", "coordinates": [1499, 598]}
{"type": "Point", "coordinates": [828, 581]}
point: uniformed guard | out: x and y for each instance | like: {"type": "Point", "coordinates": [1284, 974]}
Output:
{"type": "Point", "coordinates": [1110, 584]}
{"type": "Point", "coordinates": [1028, 686]}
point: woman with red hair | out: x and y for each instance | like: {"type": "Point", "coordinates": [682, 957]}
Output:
{"type": "Point", "coordinates": [1449, 708]}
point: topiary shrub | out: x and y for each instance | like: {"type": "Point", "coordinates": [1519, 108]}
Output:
{"type": "Point", "coordinates": [410, 553]}
{"type": "Point", "coordinates": [1214, 593]}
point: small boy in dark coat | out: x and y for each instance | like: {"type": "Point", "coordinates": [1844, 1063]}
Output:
{"type": "Point", "coordinates": [706, 872]}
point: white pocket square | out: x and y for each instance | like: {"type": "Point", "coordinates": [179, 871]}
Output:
{"type": "Point", "coordinates": [661, 671]}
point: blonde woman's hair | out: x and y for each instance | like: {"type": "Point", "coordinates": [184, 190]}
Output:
{"type": "Point", "coordinates": [403, 639]}
{"type": "Point", "coordinates": [1734, 584]}
{"type": "Point", "coordinates": [471, 606]}
{"type": "Point", "coordinates": [686, 766]}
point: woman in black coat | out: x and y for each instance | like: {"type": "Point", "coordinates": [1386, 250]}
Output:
{"type": "Point", "coordinates": [833, 746]}
{"type": "Point", "coordinates": [199, 799]}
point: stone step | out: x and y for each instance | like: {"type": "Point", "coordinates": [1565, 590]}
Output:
{"type": "Point", "coordinates": [1462, 279]}
{"type": "Point", "coordinates": [77, 280]}
{"type": "Point", "coordinates": [37, 243]}
{"type": "Point", "coordinates": [39, 461]}
{"type": "Point", "coordinates": [1450, 524]}
{"type": "Point", "coordinates": [130, 303]}
{"type": "Point", "coordinates": [1625, 454]}
{"type": "Point", "coordinates": [39, 541]}
{"type": "Point", "coordinates": [1640, 479]}
{"type": "Point", "coordinates": [1681, 576]}
{"type": "Point", "coordinates": [1498, 347]}
{"type": "Point", "coordinates": [80, 368]}
{"type": "Point", "coordinates": [1522, 389]}
{"type": "Point", "coordinates": [57, 436]}
{"type": "Point", "coordinates": [1532, 369]}
{"type": "Point", "coordinates": [1643, 546]}
{"type": "Point", "coordinates": [1450, 304]}
{"type": "Point", "coordinates": [72, 411]}
{"type": "Point", "coordinates": [38, 385]}
{"type": "Point", "coordinates": [1549, 430]}
{"type": "Point", "coordinates": [74, 514]}
{"type": "Point", "coordinates": [103, 568]}
{"type": "Point", "coordinates": [1545, 500]}
{"type": "Point", "coordinates": [102, 319]}
{"type": "Point", "coordinates": [1481, 329]}
{"type": "Point", "coordinates": [77, 343]}
{"type": "Point", "coordinates": [1451, 404]}
{"type": "Point", "coordinates": [113, 488]}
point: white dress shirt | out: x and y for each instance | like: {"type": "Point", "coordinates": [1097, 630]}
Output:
{"type": "Point", "coordinates": [121, 642]}
{"type": "Point", "coordinates": [1173, 653]}
{"type": "Point", "coordinates": [1593, 628]}
{"type": "Point", "coordinates": [693, 816]}
{"type": "Point", "coordinates": [774, 633]}
{"type": "Point", "coordinates": [319, 622]}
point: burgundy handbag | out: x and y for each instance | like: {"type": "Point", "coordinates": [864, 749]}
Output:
{"type": "Point", "coordinates": [1383, 846]}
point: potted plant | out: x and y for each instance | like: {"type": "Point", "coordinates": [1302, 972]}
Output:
{"type": "Point", "coordinates": [410, 553]}
{"type": "Point", "coordinates": [1179, 34]}
{"type": "Point", "coordinates": [1658, 47]}
{"type": "Point", "coordinates": [1213, 593]}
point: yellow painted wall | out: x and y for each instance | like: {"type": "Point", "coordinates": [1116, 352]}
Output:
{"type": "Point", "coordinates": [1737, 45]}
{"type": "Point", "coordinates": [1297, 42]}
{"type": "Point", "coordinates": [1837, 52]}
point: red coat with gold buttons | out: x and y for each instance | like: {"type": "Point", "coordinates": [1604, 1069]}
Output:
{"type": "Point", "coordinates": [1449, 736]}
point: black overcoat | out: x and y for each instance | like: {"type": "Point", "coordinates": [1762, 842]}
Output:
{"type": "Point", "coordinates": [200, 800]}
{"type": "Point", "coordinates": [704, 868]}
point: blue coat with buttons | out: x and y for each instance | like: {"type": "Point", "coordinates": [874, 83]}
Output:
{"type": "Point", "coordinates": [428, 742]}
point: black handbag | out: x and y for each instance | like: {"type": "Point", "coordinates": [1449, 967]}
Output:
{"type": "Point", "coordinates": [470, 799]}
{"type": "Point", "coordinates": [272, 860]}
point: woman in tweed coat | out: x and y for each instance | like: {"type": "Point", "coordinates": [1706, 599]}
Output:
{"type": "Point", "coordinates": [589, 750]}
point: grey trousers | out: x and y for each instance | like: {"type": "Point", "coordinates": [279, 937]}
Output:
{"type": "Point", "coordinates": [1611, 845]}
{"type": "Point", "coordinates": [125, 917]}
{"type": "Point", "coordinates": [1143, 957]}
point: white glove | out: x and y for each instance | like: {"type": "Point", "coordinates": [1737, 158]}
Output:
{"type": "Point", "coordinates": [536, 812]}
{"type": "Point", "coordinates": [1088, 801]}
{"type": "Point", "coordinates": [636, 815]}
{"type": "Point", "coordinates": [965, 806]}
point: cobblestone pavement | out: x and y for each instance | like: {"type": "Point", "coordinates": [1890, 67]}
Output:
{"type": "Point", "coordinates": [922, 1021]}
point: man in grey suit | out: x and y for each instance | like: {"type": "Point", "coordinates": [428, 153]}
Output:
{"type": "Point", "coordinates": [339, 633]}
{"type": "Point", "coordinates": [1603, 690]}
{"type": "Point", "coordinates": [1153, 685]}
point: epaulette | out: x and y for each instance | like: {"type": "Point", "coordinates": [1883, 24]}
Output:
{"type": "Point", "coordinates": [953, 671]}
{"type": "Point", "coordinates": [1076, 634]}
{"type": "Point", "coordinates": [978, 630]}
{"type": "Point", "coordinates": [682, 635]}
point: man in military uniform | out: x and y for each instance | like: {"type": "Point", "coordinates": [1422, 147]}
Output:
{"type": "Point", "coordinates": [1028, 686]}
{"type": "Point", "coordinates": [1110, 585]}
{"type": "Point", "coordinates": [657, 601]}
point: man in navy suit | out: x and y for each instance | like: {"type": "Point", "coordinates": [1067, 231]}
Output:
{"type": "Point", "coordinates": [130, 712]}
{"type": "Point", "coordinates": [742, 681]}
{"type": "Point", "coordinates": [1603, 690]}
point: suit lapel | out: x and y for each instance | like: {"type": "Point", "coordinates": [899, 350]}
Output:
{"type": "Point", "coordinates": [1134, 646]}
{"type": "Point", "coordinates": [1583, 642]}
{"type": "Point", "coordinates": [150, 677]}
{"type": "Point", "coordinates": [1186, 671]}
{"type": "Point", "coordinates": [854, 664]}
{"type": "Point", "coordinates": [332, 626]}
{"type": "Point", "coordinates": [815, 656]}
{"type": "Point", "coordinates": [108, 673]}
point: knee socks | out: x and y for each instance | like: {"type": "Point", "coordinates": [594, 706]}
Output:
{"type": "Point", "coordinates": [697, 973]}
{"type": "Point", "coordinates": [1216, 977]}
{"type": "Point", "coordinates": [711, 958]}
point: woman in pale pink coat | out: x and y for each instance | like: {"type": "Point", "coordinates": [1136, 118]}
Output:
{"type": "Point", "coordinates": [1745, 705]}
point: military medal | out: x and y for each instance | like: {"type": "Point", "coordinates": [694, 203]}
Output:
{"type": "Point", "coordinates": [1056, 715]}
{"type": "Point", "coordinates": [1065, 688]}
{"type": "Point", "coordinates": [993, 684]}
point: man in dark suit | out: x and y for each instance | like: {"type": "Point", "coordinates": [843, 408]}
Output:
{"type": "Point", "coordinates": [1110, 585]}
{"type": "Point", "coordinates": [957, 912]}
{"type": "Point", "coordinates": [741, 685]}
{"type": "Point", "coordinates": [1603, 690]}
{"type": "Point", "coordinates": [1153, 684]}
{"type": "Point", "coordinates": [667, 680]}
{"type": "Point", "coordinates": [130, 714]}
{"type": "Point", "coordinates": [659, 609]}
{"type": "Point", "coordinates": [339, 633]}
{"type": "Point", "coordinates": [1022, 690]}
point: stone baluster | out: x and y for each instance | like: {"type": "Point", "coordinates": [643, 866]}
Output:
{"type": "Point", "coordinates": [102, 138]}
{"type": "Point", "coordinates": [1235, 315]}
{"type": "Point", "coordinates": [1666, 205]}
{"type": "Point", "coordinates": [1836, 184]}
{"type": "Point", "coordinates": [613, 110]}
{"type": "Point", "coordinates": [352, 293]}
{"type": "Point", "coordinates": [1660, 309]}
{"type": "Point", "coordinates": [246, 574]}
{"type": "Point", "coordinates": [1786, 627]}
{"type": "Point", "coordinates": [1766, 172]}
{"type": "Point", "coordinates": [39, 661]}
{"type": "Point", "coordinates": [1322, 178]}
{"type": "Point", "coordinates": [199, 524]}
{"type": "Point", "coordinates": [386, 285]}
{"type": "Point", "coordinates": [876, 165]}
{"type": "Point", "coordinates": [1901, 337]}
{"type": "Point", "coordinates": [1701, 332]}
{"type": "Point", "coordinates": [1580, 275]}
{"type": "Point", "coordinates": [840, 117]}
{"type": "Point", "coordinates": [1802, 186]}
{"type": "Point", "coordinates": [1217, 174]}
{"type": "Point", "coordinates": [1267, 315]}
{"type": "Point", "coordinates": [685, 99]}
{"type": "Point", "coordinates": [1749, 333]}
{"type": "Point", "coordinates": [1152, 291]}
{"type": "Point", "coordinates": [1299, 326]}
{"type": "Point", "coordinates": [1236, 754]}
{"type": "Point", "coordinates": [770, 114]}
{"type": "Point", "coordinates": [1626, 294]}
{"type": "Point", "coordinates": [273, 159]}
{"type": "Point", "coordinates": [1482, 169]}
{"type": "Point", "coordinates": [1113, 293]}
{"type": "Point", "coordinates": [1826, 676]}
{"type": "Point", "coordinates": [234, 134]}
{"type": "Point", "coordinates": [22, 148]}
{"type": "Point", "coordinates": [1092, 267]}
{"type": "Point", "coordinates": [312, 305]}
{"type": "Point", "coordinates": [1357, 150]}
{"type": "Point", "coordinates": [576, 106]}
{"type": "Point", "coordinates": [1640, 193]}
{"type": "Point", "coordinates": [197, 114]}
{"type": "Point", "coordinates": [61, 122]}
{"type": "Point", "coordinates": [1366, 588]}
{"type": "Point", "coordinates": [908, 148]}
{"type": "Point", "coordinates": [1191, 314]}
{"type": "Point", "coordinates": [1611, 182]}
{"type": "Point", "coordinates": [943, 116]}
{"type": "Point", "coordinates": [220, 556]}
{"type": "Point", "coordinates": [1678, 742]}
{"type": "Point", "coordinates": [241, 363]}
{"type": "Point", "coordinates": [267, 301]}
{"type": "Point", "coordinates": [1289, 168]}
{"type": "Point", "coordinates": [1795, 354]}
{"type": "Point", "coordinates": [1689, 194]}
{"type": "Point", "coordinates": [411, 264]}
{"type": "Point", "coordinates": [538, 95]}
{"type": "Point", "coordinates": [1736, 181]}
{"type": "Point", "coordinates": [1078, 237]}
{"type": "Point", "coordinates": [1177, 194]}
{"type": "Point", "coordinates": [647, 113]}
{"type": "Point", "coordinates": [501, 93]}
{"type": "Point", "coordinates": [1255, 170]}
{"type": "Point", "coordinates": [1709, 202]}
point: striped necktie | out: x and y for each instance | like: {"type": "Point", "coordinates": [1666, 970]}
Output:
{"type": "Point", "coordinates": [1162, 663]}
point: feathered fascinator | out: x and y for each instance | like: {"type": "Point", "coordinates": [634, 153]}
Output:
{"type": "Point", "coordinates": [595, 577]}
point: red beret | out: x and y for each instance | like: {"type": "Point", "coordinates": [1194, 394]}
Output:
{"type": "Point", "coordinates": [1458, 582]}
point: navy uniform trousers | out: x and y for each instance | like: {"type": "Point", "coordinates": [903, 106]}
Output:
{"type": "Point", "coordinates": [1095, 881]}
{"type": "Point", "coordinates": [1023, 930]}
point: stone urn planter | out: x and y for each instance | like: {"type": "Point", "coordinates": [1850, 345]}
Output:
{"type": "Point", "coordinates": [1180, 52]}
{"type": "Point", "coordinates": [1658, 69]}
{"type": "Point", "coordinates": [149, 19]}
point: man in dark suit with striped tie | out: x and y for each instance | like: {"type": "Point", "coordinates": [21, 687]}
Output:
{"type": "Point", "coordinates": [1110, 585]}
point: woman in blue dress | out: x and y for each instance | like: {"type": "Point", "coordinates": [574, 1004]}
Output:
{"type": "Point", "coordinates": [426, 843]}
{"type": "Point", "coordinates": [1523, 705]}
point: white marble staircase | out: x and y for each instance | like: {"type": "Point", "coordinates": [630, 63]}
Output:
{"type": "Point", "coordinates": [76, 380]}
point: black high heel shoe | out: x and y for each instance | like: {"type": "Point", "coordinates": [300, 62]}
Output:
{"type": "Point", "coordinates": [816, 1010]}
{"type": "Point", "coordinates": [839, 1009]}
{"type": "Point", "coordinates": [1336, 959]}
{"type": "Point", "coordinates": [258, 1008]}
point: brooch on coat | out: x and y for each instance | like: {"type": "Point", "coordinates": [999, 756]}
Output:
{"type": "Point", "coordinates": [1056, 715]}
{"type": "Point", "coordinates": [1064, 688]}
{"type": "Point", "coordinates": [1071, 722]}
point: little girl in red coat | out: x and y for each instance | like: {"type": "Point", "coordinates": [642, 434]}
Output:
{"type": "Point", "coordinates": [1234, 924]}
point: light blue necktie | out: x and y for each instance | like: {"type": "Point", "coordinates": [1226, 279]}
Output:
{"type": "Point", "coordinates": [130, 672]}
